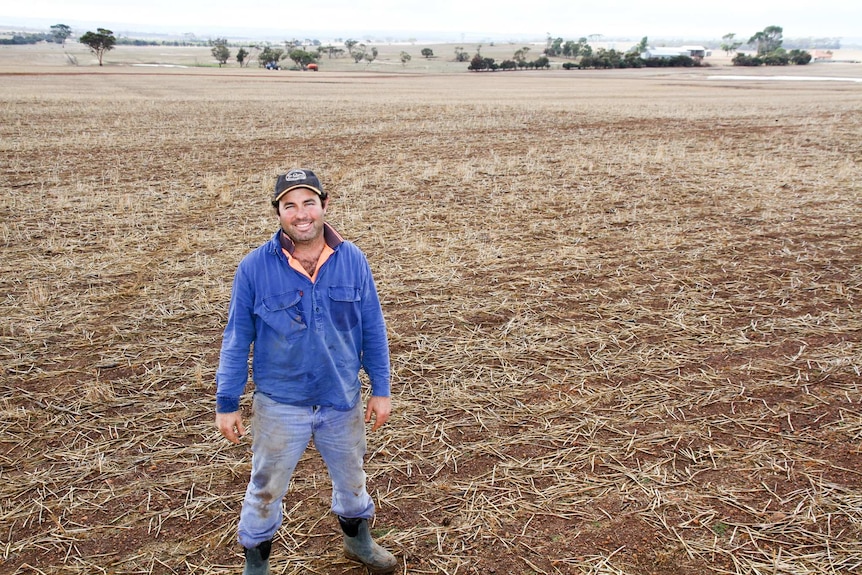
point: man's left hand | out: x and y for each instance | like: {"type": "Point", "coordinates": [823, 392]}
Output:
{"type": "Point", "coordinates": [380, 407]}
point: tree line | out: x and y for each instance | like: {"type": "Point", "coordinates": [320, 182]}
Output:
{"type": "Point", "coordinates": [768, 44]}
{"type": "Point", "coordinates": [270, 57]}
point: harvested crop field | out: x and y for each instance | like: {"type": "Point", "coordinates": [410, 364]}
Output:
{"type": "Point", "coordinates": [624, 315]}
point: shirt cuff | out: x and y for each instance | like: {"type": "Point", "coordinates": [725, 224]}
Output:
{"type": "Point", "coordinates": [226, 404]}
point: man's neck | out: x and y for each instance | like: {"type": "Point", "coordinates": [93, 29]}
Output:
{"type": "Point", "coordinates": [309, 248]}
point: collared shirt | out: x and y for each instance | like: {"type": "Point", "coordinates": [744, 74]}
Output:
{"type": "Point", "coordinates": [310, 337]}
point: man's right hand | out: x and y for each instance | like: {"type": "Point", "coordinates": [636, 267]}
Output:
{"type": "Point", "coordinates": [230, 425]}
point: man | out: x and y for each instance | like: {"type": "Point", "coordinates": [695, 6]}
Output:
{"type": "Point", "coordinates": [307, 302]}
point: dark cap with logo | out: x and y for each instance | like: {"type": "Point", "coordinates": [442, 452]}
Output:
{"type": "Point", "coordinates": [297, 179]}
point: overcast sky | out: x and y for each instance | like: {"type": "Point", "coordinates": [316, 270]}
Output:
{"type": "Point", "coordinates": [453, 19]}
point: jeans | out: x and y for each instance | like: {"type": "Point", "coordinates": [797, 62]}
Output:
{"type": "Point", "coordinates": [281, 434]}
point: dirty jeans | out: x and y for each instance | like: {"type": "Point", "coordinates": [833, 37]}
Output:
{"type": "Point", "coordinates": [281, 434]}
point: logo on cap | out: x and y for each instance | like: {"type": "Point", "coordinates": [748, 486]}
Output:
{"type": "Point", "coordinates": [295, 175]}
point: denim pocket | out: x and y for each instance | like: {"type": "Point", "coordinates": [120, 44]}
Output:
{"type": "Point", "coordinates": [344, 306]}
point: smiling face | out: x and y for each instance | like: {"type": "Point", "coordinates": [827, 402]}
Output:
{"type": "Point", "coordinates": [301, 213]}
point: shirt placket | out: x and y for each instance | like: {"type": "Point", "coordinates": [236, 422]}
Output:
{"type": "Point", "coordinates": [317, 308]}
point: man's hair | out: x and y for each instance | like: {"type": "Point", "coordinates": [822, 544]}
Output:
{"type": "Point", "coordinates": [276, 204]}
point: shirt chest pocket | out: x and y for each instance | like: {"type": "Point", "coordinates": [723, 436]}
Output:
{"type": "Point", "coordinates": [283, 313]}
{"type": "Point", "coordinates": [344, 307]}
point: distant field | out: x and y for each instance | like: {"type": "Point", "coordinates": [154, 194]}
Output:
{"type": "Point", "coordinates": [623, 307]}
{"type": "Point", "coordinates": [75, 54]}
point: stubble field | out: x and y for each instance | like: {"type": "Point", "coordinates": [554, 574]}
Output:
{"type": "Point", "coordinates": [624, 314]}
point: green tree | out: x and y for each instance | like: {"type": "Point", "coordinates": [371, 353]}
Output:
{"type": "Point", "coordinates": [331, 51]}
{"type": "Point", "coordinates": [358, 52]}
{"type": "Point", "coordinates": [405, 57]}
{"type": "Point", "coordinates": [99, 42]}
{"type": "Point", "coordinates": [632, 59]}
{"type": "Point", "coordinates": [555, 46]}
{"type": "Point", "coordinates": [745, 60]}
{"type": "Point", "coordinates": [241, 55]}
{"type": "Point", "coordinates": [730, 44]}
{"type": "Point", "coordinates": [302, 58]}
{"type": "Point", "coordinates": [221, 53]}
{"type": "Point", "coordinates": [60, 32]}
{"type": "Point", "coordinates": [477, 63]}
{"type": "Point", "coordinates": [642, 46]}
{"type": "Point", "coordinates": [269, 56]}
{"type": "Point", "coordinates": [800, 57]}
{"type": "Point", "coordinates": [427, 52]}
{"type": "Point", "coordinates": [521, 54]}
{"type": "Point", "coordinates": [350, 44]}
{"type": "Point", "coordinates": [767, 40]}
{"type": "Point", "coordinates": [371, 56]}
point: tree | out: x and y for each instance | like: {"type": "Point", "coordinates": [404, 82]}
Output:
{"type": "Point", "coordinates": [331, 51]}
{"type": "Point", "coordinates": [405, 57]}
{"type": "Point", "coordinates": [427, 52]}
{"type": "Point", "coordinates": [371, 56]}
{"type": "Point", "coordinates": [99, 42]}
{"type": "Point", "coordinates": [767, 40]}
{"type": "Point", "coordinates": [554, 46]}
{"type": "Point", "coordinates": [460, 54]}
{"type": "Point", "coordinates": [800, 57]}
{"type": "Point", "coordinates": [221, 53]}
{"type": "Point", "coordinates": [350, 43]}
{"type": "Point", "coordinates": [521, 54]}
{"type": "Point", "coordinates": [477, 63]}
{"type": "Point", "coordinates": [730, 43]}
{"type": "Point", "coordinates": [357, 52]}
{"type": "Point", "coordinates": [302, 58]}
{"type": "Point", "coordinates": [270, 56]}
{"type": "Point", "coordinates": [241, 57]}
{"type": "Point", "coordinates": [642, 45]}
{"type": "Point", "coordinates": [60, 32]}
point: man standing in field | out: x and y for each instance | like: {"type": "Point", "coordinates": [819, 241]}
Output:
{"type": "Point", "coordinates": [307, 302]}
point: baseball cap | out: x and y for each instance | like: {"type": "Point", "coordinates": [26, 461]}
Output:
{"type": "Point", "coordinates": [297, 179]}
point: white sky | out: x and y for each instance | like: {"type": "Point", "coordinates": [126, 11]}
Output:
{"type": "Point", "coordinates": [468, 19]}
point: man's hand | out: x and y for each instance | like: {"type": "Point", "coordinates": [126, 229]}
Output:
{"type": "Point", "coordinates": [230, 425]}
{"type": "Point", "coordinates": [381, 407]}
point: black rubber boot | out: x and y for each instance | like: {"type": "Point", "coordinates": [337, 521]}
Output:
{"type": "Point", "coordinates": [257, 559]}
{"type": "Point", "coordinates": [359, 546]}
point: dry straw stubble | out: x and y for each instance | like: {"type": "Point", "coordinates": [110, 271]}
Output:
{"type": "Point", "coordinates": [624, 316]}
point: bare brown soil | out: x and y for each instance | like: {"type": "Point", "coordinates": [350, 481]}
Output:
{"type": "Point", "coordinates": [624, 313]}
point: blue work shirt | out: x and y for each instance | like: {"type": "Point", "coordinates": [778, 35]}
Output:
{"type": "Point", "coordinates": [310, 338]}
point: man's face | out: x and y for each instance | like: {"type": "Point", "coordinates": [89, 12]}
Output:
{"type": "Point", "coordinates": [300, 214]}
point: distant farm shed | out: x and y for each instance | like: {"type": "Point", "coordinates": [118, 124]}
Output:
{"type": "Point", "coordinates": [696, 52]}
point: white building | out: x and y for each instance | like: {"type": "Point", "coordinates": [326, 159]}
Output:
{"type": "Point", "coordinates": [696, 52]}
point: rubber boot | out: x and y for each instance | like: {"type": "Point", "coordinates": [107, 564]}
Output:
{"type": "Point", "coordinates": [257, 559]}
{"type": "Point", "coordinates": [359, 546]}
